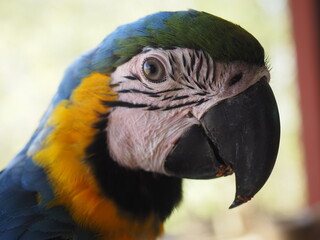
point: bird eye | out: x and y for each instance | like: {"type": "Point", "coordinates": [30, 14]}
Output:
{"type": "Point", "coordinates": [153, 70]}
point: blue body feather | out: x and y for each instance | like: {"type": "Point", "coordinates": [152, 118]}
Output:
{"type": "Point", "coordinates": [24, 189]}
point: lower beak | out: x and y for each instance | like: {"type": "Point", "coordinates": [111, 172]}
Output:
{"type": "Point", "coordinates": [240, 134]}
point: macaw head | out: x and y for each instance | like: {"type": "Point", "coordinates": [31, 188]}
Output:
{"type": "Point", "coordinates": [194, 100]}
{"type": "Point", "coordinates": [173, 95]}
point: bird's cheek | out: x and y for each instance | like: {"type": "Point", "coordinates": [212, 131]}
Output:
{"type": "Point", "coordinates": [140, 139]}
{"type": "Point", "coordinates": [198, 111]}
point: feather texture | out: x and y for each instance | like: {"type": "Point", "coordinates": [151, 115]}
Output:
{"type": "Point", "coordinates": [49, 191]}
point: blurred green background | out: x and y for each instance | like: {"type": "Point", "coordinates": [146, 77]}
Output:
{"type": "Point", "coordinates": [39, 39]}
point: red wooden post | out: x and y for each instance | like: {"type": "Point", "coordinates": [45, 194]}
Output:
{"type": "Point", "coordinates": [306, 27]}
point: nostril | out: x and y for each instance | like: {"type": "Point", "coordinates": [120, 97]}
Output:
{"type": "Point", "coordinates": [236, 78]}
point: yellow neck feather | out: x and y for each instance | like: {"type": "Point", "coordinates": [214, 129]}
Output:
{"type": "Point", "coordinates": [72, 181]}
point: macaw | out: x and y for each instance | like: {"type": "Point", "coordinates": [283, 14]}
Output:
{"type": "Point", "coordinates": [173, 95]}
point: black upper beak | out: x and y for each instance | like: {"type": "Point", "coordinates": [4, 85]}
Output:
{"type": "Point", "coordinates": [240, 134]}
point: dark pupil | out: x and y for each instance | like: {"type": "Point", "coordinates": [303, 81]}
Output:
{"type": "Point", "coordinates": [150, 68]}
{"type": "Point", "coordinates": [153, 70]}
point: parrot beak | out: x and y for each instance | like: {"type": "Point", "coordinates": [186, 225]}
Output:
{"type": "Point", "coordinates": [240, 134]}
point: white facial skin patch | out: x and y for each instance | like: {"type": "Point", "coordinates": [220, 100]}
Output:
{"type": "Point", "coordinates": [162, 93]}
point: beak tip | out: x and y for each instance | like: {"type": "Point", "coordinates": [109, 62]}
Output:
{"type": "Point", "coordinates": [239, 200]}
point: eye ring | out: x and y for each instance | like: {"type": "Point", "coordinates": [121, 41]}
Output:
{"type": "Point", "coordinates": [153, 70]}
